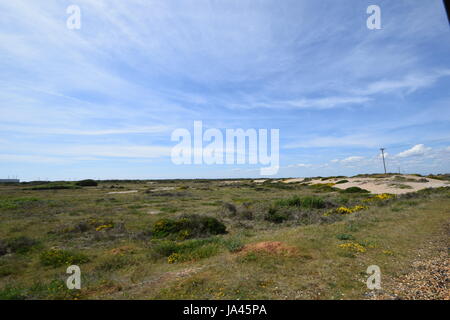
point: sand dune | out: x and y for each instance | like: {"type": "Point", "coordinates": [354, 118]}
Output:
{"type": "Point", "coordinates": [393, 184]}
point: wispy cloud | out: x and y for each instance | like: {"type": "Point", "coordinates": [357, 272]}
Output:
{"type": "Point", "coordinates": [137, 69]}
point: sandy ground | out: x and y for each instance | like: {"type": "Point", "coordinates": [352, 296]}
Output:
{"type": "Point", "coordinates": [118, 192]}
{"type": "Point", "coordinates": [382, 185]}
{"type": "Point", "coordinates": [162, 189]}
{"type": "Point", "coordinates": [262, 181]}
{"type": "Point", "coordinates": [231, 182]}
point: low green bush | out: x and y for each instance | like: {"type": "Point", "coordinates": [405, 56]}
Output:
{"type": "Point", "coordinates": [58, 257]}
{"type": "Point", "coordinates": [193, 249]}
{"type": "Point", "coordinates": [54, 187]}
{"type": "Point", "coordinates": [229, 208]}
{"type": "Point", "coordinates": [87, 183]}
{"type": "Point", "coordinates": [355, 190]}
{"type": "Point", "coordinates": [322, 187]}
{"type": "Point", "coordinates": [273, 215]}
{"type": "Point", "coordinates": [233, 244]}
{"type": "Point", "coordinates": [188, 226]}
{"type": "Point", "coordinates": [342, 181]}
{"type": "Point", "coordinates": [17, 245]}
{"type": "Point", "coordinates": [345, 236]}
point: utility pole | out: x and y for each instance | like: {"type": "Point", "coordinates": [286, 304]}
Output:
{"type": "Point", "coordinates": [384, 164]}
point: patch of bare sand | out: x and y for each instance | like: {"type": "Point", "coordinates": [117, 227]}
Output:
{"type": "Point", "coordinates": [382, 185]}
{"type": "Point", "coordinates": [162, 189]}
{"type": "Point", "coordinates": [293, 180]}
{"type": "Point", "coordinates": [227, 182]}
{"type": "Point", "coordinates": [120, 192]}
{"type": "Point", "coordinates": [122, 250]}
{"type": "Point", "coordinates": [259, 181]}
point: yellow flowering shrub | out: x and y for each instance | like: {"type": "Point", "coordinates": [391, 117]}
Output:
{"type": "Point", "coordinates": [345, 210]}
{"type": "Point", "coordinates": [58, 257]}
{"type": "Point", "coordinates": [174, 257]}
{"type": "Point", "coordinates": [103, 226]}
{"type": "Point", "coordinates": [352, 246]}
{"type": "Point", "coordinates": [380, 197]}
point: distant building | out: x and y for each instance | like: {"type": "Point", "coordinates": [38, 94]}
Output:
{"type": "Point", "coordinates": [9, 180]}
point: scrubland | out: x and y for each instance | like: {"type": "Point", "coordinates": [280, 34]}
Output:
{"type": "Point", "coordinates": [215, 239]}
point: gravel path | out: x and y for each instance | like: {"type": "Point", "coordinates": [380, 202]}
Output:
{"type": "Point", "coordinates": [428, 280]}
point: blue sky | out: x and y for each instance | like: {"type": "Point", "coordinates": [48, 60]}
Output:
{"type": "Point", "coordinates": [101, 102]}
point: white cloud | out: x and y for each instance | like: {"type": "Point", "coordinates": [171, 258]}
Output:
{"type": "Point", "coordinates": [352, 159]}
{"type": "Point", "coordinates": [417, 150]}
{"type": "Point", "coordinates": [409, 83]}
{"type": "Point", "coordinates": [355, 140]}
{"type": "Point", "coordinates": [29, 158]}
{"type": "Point", "coordinates": [85, 132]}
{"type": "Point", "coordinates": [305, 103]}
{"type": "Point", "coordinates": [302, 165]}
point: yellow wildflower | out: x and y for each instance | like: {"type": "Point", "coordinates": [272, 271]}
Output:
{"type": "Point", "coordinates": [353, 246]}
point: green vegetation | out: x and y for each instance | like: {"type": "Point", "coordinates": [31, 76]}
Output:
{"type": "Point", "coordinates": [273, 215]}
{"type": "Point", "coordinates": [209, 239]}
{"type": "Point", "coordinates": [188, 226]}
{"type": "Point", "coordinates": [355, 190]}
{"type": "Point", "coordinates": [400, 186]}
{"type": "Point", "coordinates": [19, 244]}
{"type": "Point", "coordinates": [58, 257]}
{"type": "Point", "coordinates": [194, 249]}
{"type": "Point", "coordinates": [54, 186]}
{"type": "Point", "coordinates": [302, 202]}
{"type": "Point", "coordinates": [16, 203]}
{"type": "Point", "coordinates": [87, 183]}
{"type": "Point", "coordinates": [345, 236]}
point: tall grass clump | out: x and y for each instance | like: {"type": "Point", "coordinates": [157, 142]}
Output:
{"type": "Point", "coordinates": [307, 202]}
